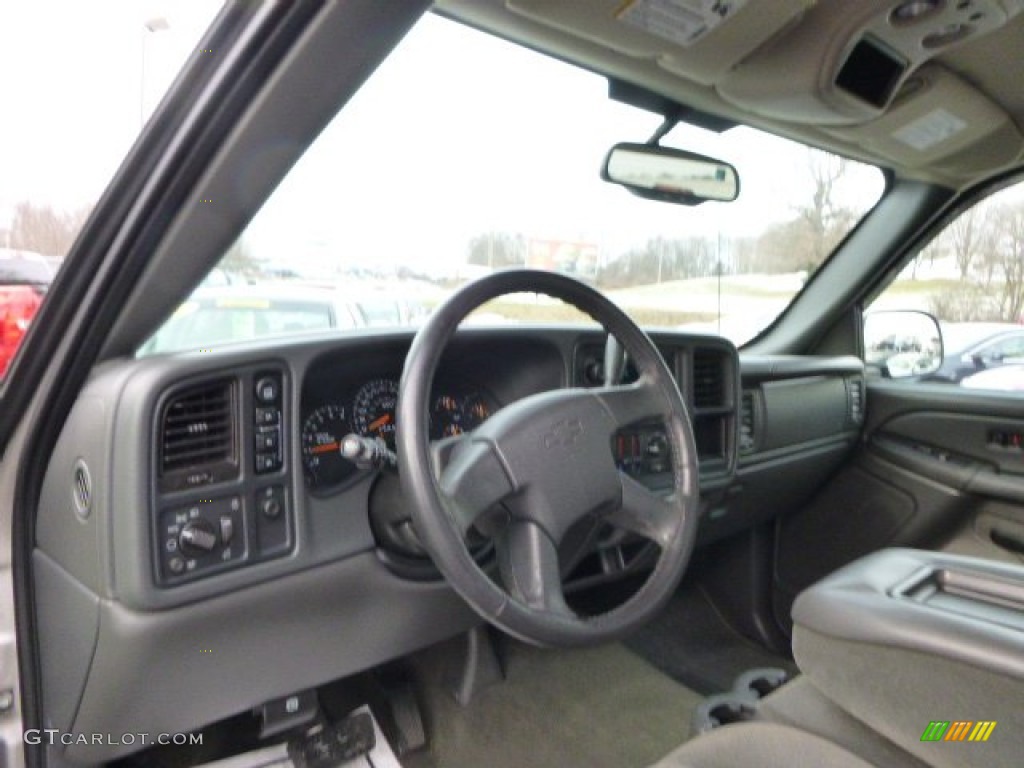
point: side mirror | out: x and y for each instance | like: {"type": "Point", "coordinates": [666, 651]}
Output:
{"type": "Point", "coordinates": [670, 175]}
{"type": "Point", "coordinates": [902, 343]}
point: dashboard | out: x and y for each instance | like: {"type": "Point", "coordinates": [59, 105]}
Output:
{"type": "Point", "coordinates": [202, 498]}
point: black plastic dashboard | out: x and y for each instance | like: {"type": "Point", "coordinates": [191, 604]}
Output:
{"type": "Point", "coordinates": [184, 507]}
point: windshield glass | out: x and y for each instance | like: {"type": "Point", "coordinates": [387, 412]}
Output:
{"type": "Point", "coordinates": [464, 154]}
{"type": "Point", "coordinates": [79, 81]}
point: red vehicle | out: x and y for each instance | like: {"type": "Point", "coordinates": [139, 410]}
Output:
{"type": "Point", "coordinates": [24, 278]}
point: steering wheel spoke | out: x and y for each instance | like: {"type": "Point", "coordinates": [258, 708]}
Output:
{"type": "Point", "coordinates": [472, 481]}
{"type": "Point", "coordinates": [646, 513]}
{"type": "Point", "coordinates": [631, 403]}
{"type": "Point", "coordinates": [528, 563]}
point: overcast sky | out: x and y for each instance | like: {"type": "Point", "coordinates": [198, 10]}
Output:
{"type": "Point", "coordinates": [71, 84]}
{"type": "Point", "coordinates": [457, 134]}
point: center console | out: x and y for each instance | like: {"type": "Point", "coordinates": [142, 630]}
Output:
{"type": "Point", "coordinates": [925, 648]}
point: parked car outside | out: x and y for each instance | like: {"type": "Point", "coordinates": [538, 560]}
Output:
{"type": "Point", "coordinates": [233, 313]}
{"type": "Point", "coordinates": [972, 347]}
{"type": "Point", "coordinates": [1005, 378]}
{"type": "Point", "coordinates": [24, 278]}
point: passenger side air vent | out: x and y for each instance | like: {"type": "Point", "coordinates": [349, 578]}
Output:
{"type": "Point", "coordinates": [197, 435]}
{"type": "Point", "coordinates": [855, 396]}
{"type": "Point", "coordinates": [708, 379]}
{"type": "Point", "coordinates": [748, 422]}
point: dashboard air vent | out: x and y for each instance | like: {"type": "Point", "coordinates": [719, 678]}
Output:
{"type": "Point", "coordinates": [708, 379]}
{"type": "Point", "coordinates": [81, 489]}
{"type": "Point", "coordinates": [197, 428]}
{"type": "Point", "coordinates": [748, 436]}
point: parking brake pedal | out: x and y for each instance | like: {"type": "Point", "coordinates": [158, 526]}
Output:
{"type": "Point", "coordinates": [326, 746]}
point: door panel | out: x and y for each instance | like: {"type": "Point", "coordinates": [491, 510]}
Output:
{"type": "Point", "coordinates": [939, 468]}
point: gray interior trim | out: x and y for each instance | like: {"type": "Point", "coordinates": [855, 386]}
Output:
{"type": "Point", "coordinates": [799, 704]}
{"type": "Point", "coordinates": [194, 665]}
{"type": "Point", "coordinates": [767, 745]}
{"type": "Point", "coordinates": [898, 692]}
{"type": "Point", "coordinates": [69, 619]}
{"type": "Point", "coordinates": [756, 367]}
{"type": "Point", "coordinates": [860, 603]}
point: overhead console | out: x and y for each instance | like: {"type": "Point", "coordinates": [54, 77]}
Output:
{"type": "Point", "coordinates": [889, 76]}
{"type": "Point", "coordinates": [846, 62]}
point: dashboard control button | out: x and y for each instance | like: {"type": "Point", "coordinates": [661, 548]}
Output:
{"type": "Point", "coordinates": [268, 390]}
{"type": "Point", "coordinates": [267, 462]}
{"type": "Point", "coordinates": [268, 417]}
{"type": "Point", "coordinates": [657, 445]}
{"type": "Point", "coordinates": [268, 438]}
{"type": "Point", "coordinates": [271, 508]}
{"type": "Point", "coordinates": [227, 529]}
{"type": "Point", "coordinates": [273, 521]}
{"type": "Point", "coordinates": [176, 564]}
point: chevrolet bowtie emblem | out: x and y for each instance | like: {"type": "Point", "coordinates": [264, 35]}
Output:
{"type": "Point", "coordinates": [564, 433]}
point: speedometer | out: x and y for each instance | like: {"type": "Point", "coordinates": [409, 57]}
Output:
{"type": "Point", "coordinates": [373, 412]}
{"type": "Point", "coordinates": [322, 432]}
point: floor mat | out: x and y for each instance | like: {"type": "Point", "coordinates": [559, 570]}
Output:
{"type": "Point", "coordinates": [591, 708]}
{"type": "Point", "coordinates": [690, 642]}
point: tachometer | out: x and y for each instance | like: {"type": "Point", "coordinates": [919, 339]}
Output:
{"type": "Point", "coordinates": [373, 412]}
{"type": "Point", "coordinates": [321, 438]}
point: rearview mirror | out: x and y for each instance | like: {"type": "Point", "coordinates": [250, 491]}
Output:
{"type": "Point", "coordinates": [902, 343]}
{"type": "Point", "coordinates": [670, 175]}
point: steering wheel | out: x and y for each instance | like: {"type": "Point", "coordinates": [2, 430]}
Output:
{"type": "Point", "coordinates": [544, 463]}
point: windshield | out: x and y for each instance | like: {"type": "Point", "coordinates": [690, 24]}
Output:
{"type": "Point", "coordinates": [464, 154]}
{"type": "Point", "coordinates": [80, 79]}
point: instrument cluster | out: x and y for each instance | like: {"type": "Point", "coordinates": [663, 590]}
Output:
{"type": "Point", "coordinates": [370, 412]}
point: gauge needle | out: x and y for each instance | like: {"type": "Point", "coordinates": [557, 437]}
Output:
{"type": "Point", "coordinates": [377, 423]}
{"type": "Point", "coordinates": [326, 447]}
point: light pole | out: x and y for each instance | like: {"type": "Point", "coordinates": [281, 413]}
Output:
{"type": "Point", "coordinates": [151, 26]}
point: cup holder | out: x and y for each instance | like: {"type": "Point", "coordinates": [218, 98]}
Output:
{"type": "Point", "coordinates": [739, 704]}
{"type": "Point", "coordinates": [760, 682]}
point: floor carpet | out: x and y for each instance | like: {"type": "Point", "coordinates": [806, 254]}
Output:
{"type": "Point", "coordinates": [690, 642]}
{"type": "Point", "coordinates": [592, 708]}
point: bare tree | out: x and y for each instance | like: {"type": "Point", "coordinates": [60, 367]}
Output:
{"type": "Point", "coordinates": [824, 217]}
{"type": "Point", "coordinates": [497, 249]}
{"type": "Point", "coordinates": [936, 249]}
{"type": "Point", "coordinates": [44, 229]}
{"type": "Point", "coordinates": [964, 236]}
{"type": "Point", "coordinates": [803, 242]}
{"type": "Point", "coordinates": [1010, 250]}
{"type": "Point", "coordinates": [240, 261]}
